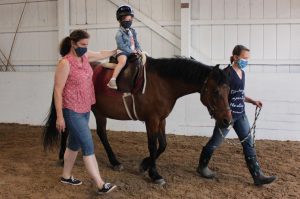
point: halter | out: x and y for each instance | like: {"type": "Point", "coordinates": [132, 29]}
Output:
{"type": "Point", "coordinates": [211, 108]}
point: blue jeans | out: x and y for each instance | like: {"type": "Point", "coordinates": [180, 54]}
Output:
{"type": "Point", "coordinates": [241, 127]}
{"type": "Point", "coordinates": [80, 135]}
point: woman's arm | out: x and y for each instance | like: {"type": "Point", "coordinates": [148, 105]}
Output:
{"type": "Point", "coordinates": [254, 102]}
{"type": "Point", "coordinates": [95, 56]}
{"type": "Point", "coordinates": [61, 75]}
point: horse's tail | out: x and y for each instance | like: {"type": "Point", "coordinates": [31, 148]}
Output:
{"type": "Point", "coordinates": [50, 133]}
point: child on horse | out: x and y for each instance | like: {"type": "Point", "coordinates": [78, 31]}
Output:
{"type": "Point", "coordinates": [126, 39]}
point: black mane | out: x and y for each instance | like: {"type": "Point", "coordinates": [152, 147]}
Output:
{"type": "Point", "coordinates": [188, 70]}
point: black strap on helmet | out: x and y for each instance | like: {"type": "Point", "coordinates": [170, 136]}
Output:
{"type": "Point", "coordinates": [124, 11]}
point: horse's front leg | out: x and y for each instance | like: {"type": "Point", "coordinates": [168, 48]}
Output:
{"type": "Point", "coordinates": [145, 164]}
{"type": "Point", "coordinates": [101, 131]}
{"type": "Point", "coordinates": [153, 133]}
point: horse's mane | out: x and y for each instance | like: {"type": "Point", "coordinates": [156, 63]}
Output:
{"type": "Point", "coordinates": [188, 70]}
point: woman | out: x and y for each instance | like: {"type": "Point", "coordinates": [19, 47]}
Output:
{"type": "Point", "coordinates": [73, 96]}
{"type": "Point", "coordinates": [127, 42]}
{"type": "Point", "coordinates": [239, 61]}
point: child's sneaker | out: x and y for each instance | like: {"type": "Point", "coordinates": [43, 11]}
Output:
{"type": "Point", "coordinates": [107, 187]}
{"type": "Point", "coordinates": [71, 181]}
{"type": "Point", "coordinates": [112, 84]}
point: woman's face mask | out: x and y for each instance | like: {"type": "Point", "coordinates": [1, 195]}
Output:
{"type": "Point", "coordinates": [80, 51]}
{"type": "Point", "coordinates": [242, 63]}
{"type": "Point", "coordinates": [80, 47]}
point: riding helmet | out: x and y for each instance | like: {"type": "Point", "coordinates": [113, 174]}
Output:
{"type": "Point", "coordinates": [124, 10]}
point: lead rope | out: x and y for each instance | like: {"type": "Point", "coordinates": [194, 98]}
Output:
{"type": "Point", "coordinates": [253, 128]}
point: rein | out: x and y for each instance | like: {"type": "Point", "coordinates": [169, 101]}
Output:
{"type": "Point", "coordinates": [253, 128]}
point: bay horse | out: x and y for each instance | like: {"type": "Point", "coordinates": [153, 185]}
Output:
{"type": "Point", "coordinates": [167, 80]}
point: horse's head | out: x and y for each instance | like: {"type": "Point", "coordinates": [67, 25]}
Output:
{"type": "Point", "coordinates": [214, 95]}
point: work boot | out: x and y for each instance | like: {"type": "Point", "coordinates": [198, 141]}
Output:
{"type": "Point", "coordinates": [256, 173]}
{"type": "Point", "coordinates": [203, 169]}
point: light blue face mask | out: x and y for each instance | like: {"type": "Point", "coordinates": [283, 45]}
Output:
{"type": "Point", "coordinates": [242, 63]}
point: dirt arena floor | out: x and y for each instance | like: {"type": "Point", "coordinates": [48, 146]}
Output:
{"type": "Point", "coordinates": [26, 171]}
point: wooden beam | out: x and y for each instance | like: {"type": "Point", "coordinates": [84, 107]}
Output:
{"type": "Point", "coordinates": [245, 22]}
{"type": "Point", "coordinates": [29, 29]}
{"type": "Point", "coordinates": [153, 25]}
{"type": "Point", "coordinates": [200, 57]}
{"type": "Point", "coordinates": [115, 25]}
{"type": "Point", "coordinates": [63, 18]}
{"type": "Point", "coordinates": [185, 28]}
{"type": "Point", "coordinates": [263, 61]}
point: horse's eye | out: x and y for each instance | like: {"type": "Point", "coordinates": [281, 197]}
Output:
{"type": "Point", "coordinates": [216, 92]}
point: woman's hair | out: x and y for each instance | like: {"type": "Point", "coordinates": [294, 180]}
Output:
{"type": "Point", "coordinates": [238, 49]}
{"type": "Point", "coordinates": [75, 36]}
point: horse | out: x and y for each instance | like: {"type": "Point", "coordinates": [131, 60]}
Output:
{"type": "Point", "coordinates": [168, 79]}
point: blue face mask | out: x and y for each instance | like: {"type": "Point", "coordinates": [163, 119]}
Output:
{"type": "Point", "coordinates": [242, 63]}
{"type": "Point", "coordinates": [80, 51]}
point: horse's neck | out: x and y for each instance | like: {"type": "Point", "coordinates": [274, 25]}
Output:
{"type": "Point", "coordinates": [182, 88]}
{"type": "Point", "coordinates": [178, 85]}
{"type": "Point", "coordinates": [174, 88]}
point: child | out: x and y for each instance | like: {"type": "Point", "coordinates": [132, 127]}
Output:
{"type": "Point", "coordinates": [126, 39]}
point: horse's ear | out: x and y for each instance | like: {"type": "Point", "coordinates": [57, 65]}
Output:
{"type": "Point", "coordinates": [192, 58]}
{"type": "Point", "coordinates": [217, 67]}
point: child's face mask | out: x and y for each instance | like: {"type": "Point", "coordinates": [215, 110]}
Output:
{"type": "Point", "coordinates": [126, 24]}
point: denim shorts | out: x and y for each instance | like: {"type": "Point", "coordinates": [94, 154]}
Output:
{"type": "Point", "coordinates": [80, 135]}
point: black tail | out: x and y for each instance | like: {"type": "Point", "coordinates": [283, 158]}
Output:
{"type": "Point", "coordinates": [50, 133]}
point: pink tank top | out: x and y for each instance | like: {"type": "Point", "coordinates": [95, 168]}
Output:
{"type": "Point", "coordinates": [78, 93]}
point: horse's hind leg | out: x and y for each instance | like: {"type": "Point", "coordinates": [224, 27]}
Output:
{"type": "Point", "coordinates": [63, 145]}
{"type": "Point", "coordinates": [162, 138]}
{"type": "Point", "coordinates": [101, 131]}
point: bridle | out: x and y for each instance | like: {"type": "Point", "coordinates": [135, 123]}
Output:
{"type": "Point", "coordinates": [212, 109]}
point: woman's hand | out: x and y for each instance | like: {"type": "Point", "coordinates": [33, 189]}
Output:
{"type": "Point", "coordinates": [60, 124]}
{"type": "Point", "coordinates": [104, 54]}
{"type": "Point", "coordinates": [254, 102]}
{"type": "Point", "coordinates": [257, 103]}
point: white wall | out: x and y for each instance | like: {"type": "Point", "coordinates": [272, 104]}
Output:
{"type": "Point", "coordinates": [25, 98]}
{"type": "Point", "coordinates": [270, 28]}
{"type": "Point", "coordinates": [36, 43]}
{"type": "Point", "coordinates": [36, 46]}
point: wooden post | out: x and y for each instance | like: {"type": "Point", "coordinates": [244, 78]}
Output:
{"type": "Point", "coordinates": [186, 28]}
{"type": "Point", "coordinates": [63, 19]}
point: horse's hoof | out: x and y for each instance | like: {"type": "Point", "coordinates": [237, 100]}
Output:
{"type": "Point", "coordinates": [160, 182]}
{"type": "Point", "coordinates": [142, 170]}
{"type": "Point", "coordinates": [119, 167]}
